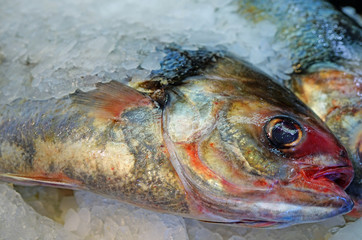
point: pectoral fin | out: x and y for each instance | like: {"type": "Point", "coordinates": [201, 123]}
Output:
{"type": "Point", "coordinates": [110, 100]}
{"type": "Point", "coordinates": [51, 180]}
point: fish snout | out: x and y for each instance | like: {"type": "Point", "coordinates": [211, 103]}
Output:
{"type": "Point", "coordinates": [331, 165]}
{"type": "Point", "coordinates": [319, 191]}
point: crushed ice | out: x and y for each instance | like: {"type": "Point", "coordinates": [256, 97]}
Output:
{"type": "Point", "coordinates": [47, 47]}
{"type": "Point", "coordinates": [50, 48]}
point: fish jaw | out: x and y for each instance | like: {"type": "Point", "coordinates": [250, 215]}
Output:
{"type": "Point", "coordinates": [282, 205]}
{"type": "Point", "coordinates": [308, 198]}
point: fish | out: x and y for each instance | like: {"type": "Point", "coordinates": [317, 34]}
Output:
{"type": "Point", "coordinates": [326, 54]}
{"type": "Point", "coordinates": [207, 136]}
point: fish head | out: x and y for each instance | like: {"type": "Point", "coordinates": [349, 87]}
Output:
{"type": "Point", "coordinates": [249, 152]}
{"type": "Point", "coordinates": [335, 96]}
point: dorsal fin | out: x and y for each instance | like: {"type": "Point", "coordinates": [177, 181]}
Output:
{"type": "Point", "coordinates": [110, 99]}
{"type": "Point", "coordinates": [179, 64]}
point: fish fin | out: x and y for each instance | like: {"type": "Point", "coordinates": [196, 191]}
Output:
{"type": "Point", "coordinates": [110, 99]}
{"type": "Point", "coordinates": [52, 180]}
{"type": "Point", "coordinates": [179, 64]}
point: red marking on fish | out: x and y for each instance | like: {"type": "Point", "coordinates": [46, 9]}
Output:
{"type": "Point", "coordinates": [196, 163]}
{"type": "Point", "coordinates": [317, 141]}
{"type": "Point", "coordinates": [261, 183]}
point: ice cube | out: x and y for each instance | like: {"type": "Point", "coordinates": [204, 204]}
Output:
{"type": "Point", "coordinates": [353, 231]}
{"type": "Point", "coordinates": [20, 221]}
{"type": "Point", "coordinates": [72, 220]}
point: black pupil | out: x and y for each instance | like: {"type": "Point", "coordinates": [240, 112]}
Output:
{"type": "Point", "coordinates": [284, 132]}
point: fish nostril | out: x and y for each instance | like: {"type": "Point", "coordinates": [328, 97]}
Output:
{"type": "Point", "coordinates": [343, 154]}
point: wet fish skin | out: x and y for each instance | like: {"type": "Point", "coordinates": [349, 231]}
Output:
{"type": "Point", "coordinates": [335, 96]}
{"type": "Point", "coordinates": [204, 153]}
{"type": "Point", "coordinates": [318, 35]}
{"type": "Point", "coordinates": [326, 50]}
{"type": "Point", "coordinates": [59, 143]}
{"type": "Point", "coordinates": [234, 141]}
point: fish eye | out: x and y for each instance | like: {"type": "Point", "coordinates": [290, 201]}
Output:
{"type": "Point", "coordinates": [283, 132]}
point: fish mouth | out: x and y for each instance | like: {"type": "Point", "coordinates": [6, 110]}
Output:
{"type": "Point", "coordinates": [322, 193]}
{"type": "Point", "coordinates": [341, 176]}
{"type": "Point", "coordinates": [317, 194]}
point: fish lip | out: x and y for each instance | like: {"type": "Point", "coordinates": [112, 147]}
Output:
{"type": "Point", "coordinates": [341, 176]}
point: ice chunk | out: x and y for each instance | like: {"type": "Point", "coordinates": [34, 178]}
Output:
{"type": "Point", "coordinates": [198, 232]}
{"type": "Point", "coordinates": [333, 222]}
{"type": "Point", "coordinates": [67, 203]}
{"type": "Point", "coordinates": [353, 231]}
{"type": "Point", "coordinates": [206, 38]}
{"type": "Point", "coordinates": [72, 220]}
{"type": "Point", "coordinates": [20, 221]}
{"type": "Point", "coordinates": [267, 28]}
{"type": "Point", "coordinates": [236, 238]}
{"type": "Point", "coordinates": [130, 64]}
{"type": "Point", "coordinates": [152, 61]}
{"type": "Point", "coordinates": [109, 219]}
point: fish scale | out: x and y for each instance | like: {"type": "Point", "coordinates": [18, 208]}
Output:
{"type": "Point", "coordinates": [315, 31]}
